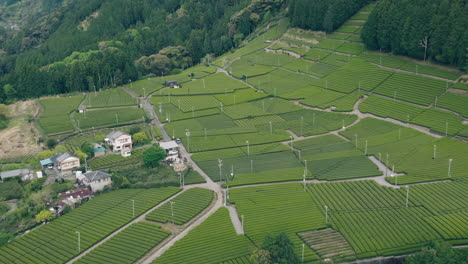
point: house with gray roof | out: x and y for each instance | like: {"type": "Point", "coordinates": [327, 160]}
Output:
{"type": "Point", "coordinates": [65, 161]}
{"type": "Point", "coordinates": [96, 180]}
{"type": "Point", "coordinates": [23, 173]}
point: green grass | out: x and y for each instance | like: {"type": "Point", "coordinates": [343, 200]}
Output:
{"type": "Point", "coordinates": [128, 246]}
{"type": "Point", "coordinates": [95, 220]}
{"type": "Point", "coordinates": [55, 116]}
{"type": "Point", "coordinates": [212, 242]}
{"type": "Point", "coordinates": [454, 102]}
{"type": "Point", "coordinates": [109, 117]}
{"type": "Point", "coordinates": [109, 97]}
{"type": "Point", "coordinates": [411, 88]}
{"type": "Point", "coordinates": [186, 206]}
{"type": "Point", "coordinates": [278, 208]}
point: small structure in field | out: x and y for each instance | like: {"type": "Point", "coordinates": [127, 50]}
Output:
{"type": "Point", "coordinates": [171, 147]}
{"type": "Point", "coordinates": [96, 180]}
{"type": "Point", "coordinates": [172, 84]}
{"type": "Point", "coordinates": [25, 174]}
{"type": "Point", "coordinates": [81, 109]}
{"type": "Point", "coordinates": [121, 142]}
{"type": "Point", "coordinates": [99, 150]}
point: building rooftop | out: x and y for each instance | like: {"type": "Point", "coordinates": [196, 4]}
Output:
{"type": "Point", "coordinates": [96, 175]}
{"type": "Point", "coordinates": [168, 145]}
{"type": "Point", "coordinates": [62, 156]}
{"type": "Point", "coordinates": [14, 173]}
{"type": "Point", "coordinates": [115, 134]}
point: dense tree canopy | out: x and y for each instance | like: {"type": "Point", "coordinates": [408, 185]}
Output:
{"type": "Point", "coordinates": [439, 253]}
{"type": "Point", "coordinates": [322, 15]}
{"type": "Point", "coordinates": [93, 44]}
{"type": "Point", "coordinates": [405, 27]}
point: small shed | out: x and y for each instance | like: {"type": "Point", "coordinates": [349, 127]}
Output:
{"type": "Point", "coordinates": [171, 147]}
{"type": "Point", "coordinates": [172, 84]}
{"type": "Point", "coordinates": [47, 163]}
{"type": "Point", "coordinates": [81, 109]}
{"type": "Point", "coordinates": [99, 150]}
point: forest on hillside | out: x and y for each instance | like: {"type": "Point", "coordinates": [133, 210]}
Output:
{"type": "Point", "coordinates": [101, 43]}
{"type": "Point", "coordinates": [322, 15]}
{"type": "Point", "coordinates": [423, 29]}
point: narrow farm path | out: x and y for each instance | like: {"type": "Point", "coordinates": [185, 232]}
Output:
{"type": "Point", "coordinates": [413, 73]}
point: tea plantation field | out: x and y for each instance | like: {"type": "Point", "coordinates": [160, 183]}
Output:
{"type": "Point", "coordinates": [57, 242]}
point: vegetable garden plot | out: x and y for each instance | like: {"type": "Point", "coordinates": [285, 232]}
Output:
{"type": "Point", "coordinates": [212, 242]}
{"type": "Point", "coordinates": [56, 241]}
{"type": "Point", "coordinates": [412, 88]}
{"type": "Point", "coordinates": [385, 232]}
{"type": "Point", "coordinates": [128, 246]}
{"type": "Point", "coordinates": [109, 97]}
{"type": "Point", "coordinates": [329, 243]}
{"type": "Point", "coordinates": [278, 208]}
{"type": "Point", "coordinates": [109, 117]}
{"type": "Point", "coordinates": [186, 206]}
{"type": "Point", "coordinates": [55, 116]}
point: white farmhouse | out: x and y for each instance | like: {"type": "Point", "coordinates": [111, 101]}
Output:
{"type": "Point", "coordinates": [121, 142]}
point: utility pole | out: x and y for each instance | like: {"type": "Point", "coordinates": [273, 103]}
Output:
{"type": "Point", "coordinates": [205, 133]}
{"type": "Point", "coordinates": [435, 149]}
{"type": "Point", "coordinates": [79, 241]}
{"type": "Point", "coordinates": [424, 44]}
{"type": "Point", "coordinates": [302, 126]}
{"type": "Point", "coordinates": [172, 210]}
{"type": "Point", "coordinates": [221, 105]}
{"type": "Point", "coordinates": [204, 86]}
{"type": "Point", "coordinates": [251, 166]}
{"type": "Point", "coordinates": [446, 128]}
{"type": "Point", "coordinates": [243, 231]}
{"type": "Point", "coordinates": [365, 152]}
{"type": "Point", "coordinates": [248, 148]}
{"type": "Point", "coordinates": [271, 127]}
{"type": "Point", "coordinates": [355, 135]}
{"type": "Point", "coordinates": [220, 166]}
{"type": "Point", "coordinates": [180, 180]}
{"type": "Point", "coordinates": [187, 134]}
{"type": "Point", "coordinates": [326, 214]}
{"type": "Point", "coordinates": [303, 245]}
{"type": "Point", "coordinates": [133, 208]}
{"type": "Point", "coordinates": [407, 195]}
{"type": "Point", "coordinates": [450, 168]}
{"type": "Point", "coordinates": [117, 118]}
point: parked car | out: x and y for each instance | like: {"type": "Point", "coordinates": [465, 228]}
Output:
{"type": "Point", "coordinates": [178, 141]}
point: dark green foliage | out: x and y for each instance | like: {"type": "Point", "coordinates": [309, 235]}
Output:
{"type": "Point", "coordinates": [4, 237]}
{"type": "Point", "coordinates": [438, 252]}
{"type": "Point", "coordinates": [153, 155]}
{"type": "Point", "coordinates": [94, 44]}
{"type": "Point", "coordinates": [88, 148]}
{"type": "Point", "coordinates": [400, 26]}
{"type": "Point", "coordinates": [281, 249]}
{"type": "Point", "coordinates": [322, 15]}
{"type": "Point", "coordinates": [51, 143]}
